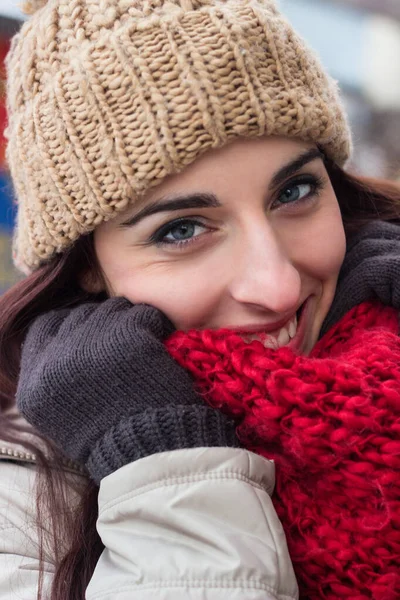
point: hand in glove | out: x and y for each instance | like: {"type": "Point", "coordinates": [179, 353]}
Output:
{"type": "Point", "coordinates": [371, 269]}
{"type": "Point", "coordinates": [97, 380]}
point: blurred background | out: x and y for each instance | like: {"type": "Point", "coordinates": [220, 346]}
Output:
{"type": "Point", "coordinates": [358, 41]}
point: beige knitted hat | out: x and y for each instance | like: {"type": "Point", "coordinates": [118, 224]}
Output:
{"type": "Point", "coordinates": [108, 97]}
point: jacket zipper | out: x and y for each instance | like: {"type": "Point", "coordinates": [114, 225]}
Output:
{"type": "Point", "coordinates": [17, 455]}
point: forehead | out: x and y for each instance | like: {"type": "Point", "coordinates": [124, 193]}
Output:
{"type": "Point", "coordinates": [243, 167]}
{"type": "Point", "coordinates": [241, 158]}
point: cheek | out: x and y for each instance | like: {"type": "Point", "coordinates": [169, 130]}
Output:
{"type": "Point", "coordinates": [321, 246]}
{"type": "Point", "coordinates": [181, 293]}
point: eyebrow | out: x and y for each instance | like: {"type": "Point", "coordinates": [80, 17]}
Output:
{"type": "Point", "coordinates": [208, 200]}
{"type": "Point", "coordinates": [198, 200]}
{"type": "Point", "coordinates": [295, 165]}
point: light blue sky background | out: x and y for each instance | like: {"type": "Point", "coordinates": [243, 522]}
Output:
{"type": "Point", "coordinates": [337, 33]}
{"type": "Point", "coordinates": [10, 8]}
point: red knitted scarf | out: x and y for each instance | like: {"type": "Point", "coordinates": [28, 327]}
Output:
{"type": "Point", "coordinates": [331, 422]}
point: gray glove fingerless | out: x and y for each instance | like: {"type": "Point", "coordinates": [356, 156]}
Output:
{"type": "Point", "coordinates": [97, 380]}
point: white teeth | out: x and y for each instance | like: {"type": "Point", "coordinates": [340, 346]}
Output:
{"type": "Point", "coordinates": [283, 337]}
{"type": "Point", "coordinates": [293, 327]}
{"type": "Point", "coordinates": [271, 343]}
{"type": "Point", "coordinates": [279, 339]}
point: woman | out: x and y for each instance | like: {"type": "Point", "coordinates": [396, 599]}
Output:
{"type": "Point", "coordinates": [177, 166]}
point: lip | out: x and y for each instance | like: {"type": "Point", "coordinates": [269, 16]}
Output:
{"type": "Point", "coordinates": [297, 343]}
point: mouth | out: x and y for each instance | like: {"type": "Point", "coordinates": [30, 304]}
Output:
{"type": "Point", "coordinates": [291, 334]}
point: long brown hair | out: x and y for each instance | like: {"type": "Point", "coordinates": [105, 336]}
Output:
{"type": "Point", "coordinates": [56, 285]}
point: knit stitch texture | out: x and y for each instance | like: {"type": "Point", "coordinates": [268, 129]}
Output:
{"type": "Point", "coordinates": [370, 271]}
{"type": "Point", "coordinates": [97, 380]}
{"type": "Point", "coordinates": [331, 422]}
{"type": "Point", "coordinates": [106, 98]}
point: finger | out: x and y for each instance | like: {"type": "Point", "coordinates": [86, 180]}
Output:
{"type": "Point", "coordinates": [76, 318]}
{"type": "Point", "coordinates": [44, 328]}
{"type": "Point", "coordinates": [153, 320]}
{"type": "Point", "coordinates": [369, 249]}
{"type": "Point", "coordinates": [375, 230]}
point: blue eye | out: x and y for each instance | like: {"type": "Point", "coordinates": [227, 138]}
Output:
{"type": "Point", "coordinates": [180, 232]}
{"type": "Point", "coordinates": [296, 192]}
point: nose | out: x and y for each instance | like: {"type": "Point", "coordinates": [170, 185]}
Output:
{"type": "Point", "coordinates": [264, 275]}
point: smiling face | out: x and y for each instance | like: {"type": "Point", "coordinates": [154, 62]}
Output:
{"type": "Point", "coordinates": [243, 239]}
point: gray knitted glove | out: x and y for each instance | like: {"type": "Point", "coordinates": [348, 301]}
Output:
{"type": "Point", "coordinates": [371, 270]}
{"type": "Point", "coordinates": [97, 380]}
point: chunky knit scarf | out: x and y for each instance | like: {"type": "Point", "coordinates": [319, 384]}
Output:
{"type": "Point", "coordinates": [331, 423]}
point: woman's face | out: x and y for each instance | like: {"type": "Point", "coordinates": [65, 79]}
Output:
{"type": "Point", "coordinates": [243, 239]}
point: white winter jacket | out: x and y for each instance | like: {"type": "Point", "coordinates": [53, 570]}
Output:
{"type": "Point", "coordinates": [193, 524]}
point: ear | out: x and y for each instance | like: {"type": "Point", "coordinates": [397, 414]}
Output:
{"type": "Point", "coordinates": [91, 282]}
